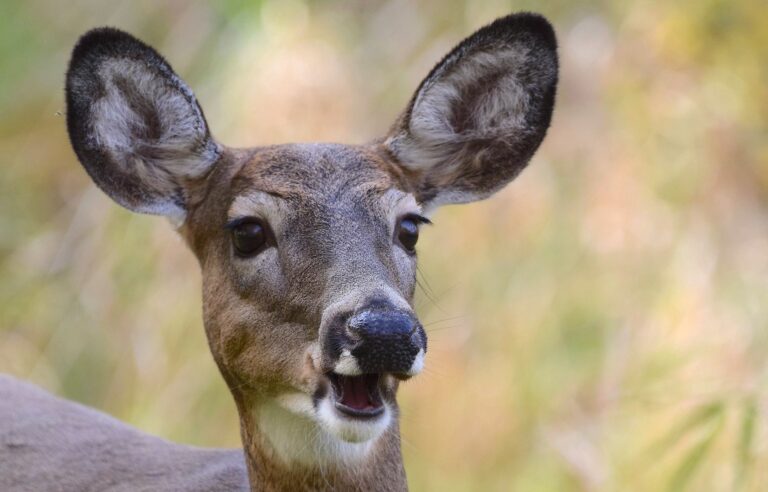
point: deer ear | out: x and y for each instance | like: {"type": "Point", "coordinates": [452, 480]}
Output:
{"type": "Point", "coordinates": [134, 124]}
{"type": "Point", "coordinates": [481, 113]}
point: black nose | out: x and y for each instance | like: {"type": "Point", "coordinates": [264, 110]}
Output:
{"type": "Point", "coordinates": [388, 339]}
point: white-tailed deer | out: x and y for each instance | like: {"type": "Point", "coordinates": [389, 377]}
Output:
{"type": "Point", "coordinates": [307, 257]}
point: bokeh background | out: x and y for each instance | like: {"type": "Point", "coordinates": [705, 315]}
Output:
{"type": "Point", "coordinates": [601, 324]}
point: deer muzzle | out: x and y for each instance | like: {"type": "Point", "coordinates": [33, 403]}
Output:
{"type": "Point", "coordinates": [378, 338]}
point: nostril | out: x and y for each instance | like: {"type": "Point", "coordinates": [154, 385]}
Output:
{"type": "Point", "coordinates": [354, 333]}
{"type": "Point", "coordinates": [356, 323]}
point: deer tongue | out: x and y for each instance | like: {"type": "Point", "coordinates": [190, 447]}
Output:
{"type": "Point", "coordinates": [359, 392]}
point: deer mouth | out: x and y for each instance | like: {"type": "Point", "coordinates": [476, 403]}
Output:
{"type": "Point", "coordinates": [358, 397]}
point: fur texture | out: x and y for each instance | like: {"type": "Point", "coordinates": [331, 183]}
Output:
{"type": "Point", "coordinates": [74, 448]}
{"type": "Point", "coordinates": [279, 323]}
{"type": "Point", "coordinates": [134, 124]}
{"type": "Point", "coordinates": [482, 112]}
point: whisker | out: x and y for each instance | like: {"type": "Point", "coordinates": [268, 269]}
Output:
{"type": "Point", "coordinates": [441, 328]}
{"type": "Point", "coordinates": [444, 320]}
{"type": "Point", "coordinates": [426, 289]}
{"type": "Point", "coordinates": [424, 277]}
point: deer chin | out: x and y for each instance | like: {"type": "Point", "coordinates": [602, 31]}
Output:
{"type": "Point", "coordinates": [338, 424]}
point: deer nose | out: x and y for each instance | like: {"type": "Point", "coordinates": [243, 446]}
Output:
{"type": "Point", "coordinates": [387, 340]}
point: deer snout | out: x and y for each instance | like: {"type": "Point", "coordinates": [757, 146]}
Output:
{"type": "Point", "coordinates": [382, 338]}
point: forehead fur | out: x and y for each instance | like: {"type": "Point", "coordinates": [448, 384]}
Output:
{"type": "Point", "coordinates": [290, 179]}
{"type": "Point", "coordinates": [317, 171]}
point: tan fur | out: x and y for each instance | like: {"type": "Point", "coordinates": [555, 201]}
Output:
{"type": "Point", "coordinates": [285, 323]}
{"type": "Point", "coordinates": [260, 355]}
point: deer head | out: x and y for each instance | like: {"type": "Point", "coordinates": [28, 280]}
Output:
{"type": "Point", "coordinates": [307, 251]}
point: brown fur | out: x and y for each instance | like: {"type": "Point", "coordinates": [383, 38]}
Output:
{"type": "Point", "coordinates": [277, 321]}
{"type": "Point", "coordinates": [257, 335]}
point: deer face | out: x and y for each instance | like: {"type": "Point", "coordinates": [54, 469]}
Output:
{"type": "Point", "coordinates": [309, 268]}
{"type": "Point", "coordinates": [308, 250]}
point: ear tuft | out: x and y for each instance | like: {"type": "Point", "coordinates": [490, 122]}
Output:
{"type": "Point", "coordinates": [134, 124]}
{"type": "Point", "coordinates": [481, 113]}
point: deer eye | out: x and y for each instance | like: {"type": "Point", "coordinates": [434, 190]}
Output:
{"type": "Point", "coordinates": [408, 233]}
{"type": "Point", "coordinates": [248, 236]}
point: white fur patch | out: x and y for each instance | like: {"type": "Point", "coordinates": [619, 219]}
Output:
{"type": "Point", "coordinates": [500, 110]}
{"type": "Point", "coordinates": [349, 430]}
{"type": "Point", "coordinates": [418, 363]}
{"type": "Point", "coordinates": [254, 203]}
{"type": "Point", "coordinates": [181, 150]}
{"type": "Point", "coordinates": [347, 364]}
{"type": "Point", "coordinates": [300, 434]}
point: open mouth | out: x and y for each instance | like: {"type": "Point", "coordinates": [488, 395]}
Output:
{"type": "Point", "coordinates": [357, 396]}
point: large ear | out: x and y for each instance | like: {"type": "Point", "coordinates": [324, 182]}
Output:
{"type": "Point", "coordinates": [481, 113]}
{"type": "Point", "coordinates": [134, 124]}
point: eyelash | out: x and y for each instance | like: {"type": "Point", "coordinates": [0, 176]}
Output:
{"type": "Point", "coordinates": [420, 219]}
{"type": "Point", "coordinates": [240, 221]}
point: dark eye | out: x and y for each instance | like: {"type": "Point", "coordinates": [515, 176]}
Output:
{"type": "Point", "coordinates": [408, 233]}
{"type": "Point", "coordinates": [248, 237]}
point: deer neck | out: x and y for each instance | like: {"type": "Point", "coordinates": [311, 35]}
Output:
{"type": "Point", "coordinates": [285, 452]}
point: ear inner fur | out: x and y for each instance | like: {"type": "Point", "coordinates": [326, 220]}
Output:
{"type": "Point", "coordinates": [288, 327]}
{"type": "Point", "coordinates": [134, 124]}
{"type": "Point", "coordinates": [481, 113]}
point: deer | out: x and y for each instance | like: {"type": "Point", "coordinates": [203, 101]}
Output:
{"type": "Point", "coordinates": [308, 261]}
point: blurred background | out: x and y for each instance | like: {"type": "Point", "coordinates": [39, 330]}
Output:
{"type": "Point", "coordinates": [601, 324]}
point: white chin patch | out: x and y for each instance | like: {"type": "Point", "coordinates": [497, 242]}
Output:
{"type": "Point", "coordinates": [348, 429]}
{"type": "Point", "coordinates": [322, 436]}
